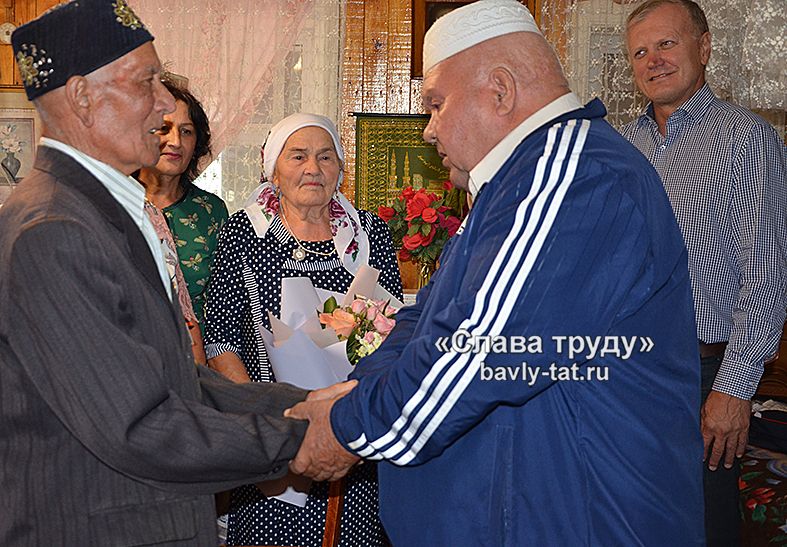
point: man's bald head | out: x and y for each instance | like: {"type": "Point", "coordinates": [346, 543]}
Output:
{"type": "Point", "coordinates": [478, 96]}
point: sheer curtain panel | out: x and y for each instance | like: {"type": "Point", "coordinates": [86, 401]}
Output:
{"type": "Point", "coordinates": [250, 63]}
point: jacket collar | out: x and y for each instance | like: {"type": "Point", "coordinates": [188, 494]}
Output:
{"type": "Point", "coordinates": [70, 173]}
{"type": "Point", "coordinates": [495, 158]}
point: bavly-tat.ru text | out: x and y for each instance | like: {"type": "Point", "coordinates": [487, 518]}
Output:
{"type": "Point", "coordinates": [552, 373]}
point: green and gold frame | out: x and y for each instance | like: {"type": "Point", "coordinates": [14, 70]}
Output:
{"type": "Point", "coordinates": [391, 155]}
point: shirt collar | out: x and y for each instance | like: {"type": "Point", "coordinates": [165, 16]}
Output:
{"type": "Point", "coordinates": [494, 160]}
{"type": "Point", "coordinates": [695, 108]}
{"type": "Point", "coordinates": [129, 193]}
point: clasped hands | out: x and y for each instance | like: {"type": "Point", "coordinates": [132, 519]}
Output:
{"type": "Point", "coordinates": [321, 456]}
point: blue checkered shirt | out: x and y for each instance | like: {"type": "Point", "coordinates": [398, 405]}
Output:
{"type": "Point", "coordinates": [723, 168]}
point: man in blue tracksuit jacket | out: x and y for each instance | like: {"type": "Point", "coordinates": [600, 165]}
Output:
{"type": "Point", "coordinates": [538, 392]}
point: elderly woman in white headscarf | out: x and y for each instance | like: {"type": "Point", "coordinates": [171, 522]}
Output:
{"type": "Point", "coordinates": [296, 224]}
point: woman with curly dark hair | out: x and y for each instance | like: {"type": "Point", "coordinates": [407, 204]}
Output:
{"type": "Point", "coordinates": [194, 216]}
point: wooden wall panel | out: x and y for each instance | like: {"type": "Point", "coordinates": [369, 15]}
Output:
{"type": "Point", "coordinates": [552, 23]}
{"type": "Point", "coordinates": [9, 13]}
{"type": "Point", "coordinates": [375, 56]}
{"type": "Point", "coordinates": [399, 55]}
{"type": "Point", "coordinates": [17, 12]}
{"type": "Point", "coordinates": [416, 104]}
{"type": "Point", "coordinates": [352, 88]}
{"type": "Point", "coordinates": [43, 5]}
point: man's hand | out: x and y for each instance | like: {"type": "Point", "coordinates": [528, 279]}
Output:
{"type": "Point", "coordinates": [725, 425]}
{"type": "Point", "coordinates": [336, 391]}
{"type": "Point", "coordinates": [320, 456]}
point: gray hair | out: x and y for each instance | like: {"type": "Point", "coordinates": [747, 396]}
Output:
{"type": "Point", "coordinates": [697, 16]}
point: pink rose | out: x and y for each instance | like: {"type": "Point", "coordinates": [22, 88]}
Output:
{"type": "Point", "coordinates": [358, 305]}
{"type": "Point", "coordinates": [372, 312]}
{"type": "Point", "coordinates": [380, 306]}
{"type": "Point", "coordinates": [386, 309]}
{"type": "Point", "coordinates": [383, 324]}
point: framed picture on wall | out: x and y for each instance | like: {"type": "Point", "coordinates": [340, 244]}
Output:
{"type": "Point", "coordinates": [20, 129]}
{"type": "Point", "coordinates": [391, 155]}
{"type": "Point", "coordinates": [426, 12]}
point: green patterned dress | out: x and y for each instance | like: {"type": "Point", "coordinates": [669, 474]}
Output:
{"type": "Point", "coordinates": [195, 221]}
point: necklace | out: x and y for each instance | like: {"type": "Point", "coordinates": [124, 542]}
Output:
{"type": "Point", "coordinates": [299, 253]}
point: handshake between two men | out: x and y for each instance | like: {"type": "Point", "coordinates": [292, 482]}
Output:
{"type": "Point", "coordinates": [321, 457]}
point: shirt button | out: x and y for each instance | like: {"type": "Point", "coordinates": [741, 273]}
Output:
{"type": "Point", "coordinates": [663, 147]}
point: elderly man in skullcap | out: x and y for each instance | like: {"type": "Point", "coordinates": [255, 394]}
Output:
{"type": "Point", "coordinates": [538, 393]}
{"type": "Point", "coordinates": [110, 435]}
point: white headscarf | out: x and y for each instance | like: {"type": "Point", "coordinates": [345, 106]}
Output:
{"type": "Point", "coordinates": [351, 242]}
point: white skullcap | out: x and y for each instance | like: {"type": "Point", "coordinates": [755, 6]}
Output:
{"type": "Point", "coordinates": [281, 132]}
{"type": "Point", "coordinates": [472, 24]}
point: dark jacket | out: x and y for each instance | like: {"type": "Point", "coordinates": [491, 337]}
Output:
{"type": "Point", "coordinates": [109, 434]}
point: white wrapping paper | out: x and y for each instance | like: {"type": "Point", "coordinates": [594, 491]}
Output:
{"type": "Point", "coordinates": [304, 354]}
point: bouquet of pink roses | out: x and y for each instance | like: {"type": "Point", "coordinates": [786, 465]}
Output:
{"type": "Point", "coordinates": [364, 324]}
{"type": "Point", "coordinates": [303, 352]}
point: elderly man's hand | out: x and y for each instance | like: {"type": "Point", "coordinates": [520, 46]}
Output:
{"type": "Point", "coordinates": [725, 425]}
{"type": "Point", "coordinates": [320, 457]}
{"type": "Point", "coordinates": [336, 391]}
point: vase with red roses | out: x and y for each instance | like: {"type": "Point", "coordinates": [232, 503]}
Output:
{"type": "Point", "coordinates": [421, 222]}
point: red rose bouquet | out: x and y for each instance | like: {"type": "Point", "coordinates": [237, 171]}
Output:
{"type": "Point", "coordinates": [421, 222]}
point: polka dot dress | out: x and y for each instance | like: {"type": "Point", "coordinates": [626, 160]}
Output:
{"type": "Point", "coordinates": [245, 285]}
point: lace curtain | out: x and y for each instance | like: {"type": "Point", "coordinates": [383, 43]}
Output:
{"type": "Point", "coordinates": [746, 67]}
{"type": "Point", "coordinates": [250, 63]}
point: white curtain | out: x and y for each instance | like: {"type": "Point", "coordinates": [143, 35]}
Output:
{"type": "Point", "coordinates": [749, 60]}
{"type": "Point", "coordinates": [250, 63]}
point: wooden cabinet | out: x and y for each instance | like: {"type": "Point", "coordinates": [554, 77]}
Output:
{"type": "Point", "coordinates": [17, 12]}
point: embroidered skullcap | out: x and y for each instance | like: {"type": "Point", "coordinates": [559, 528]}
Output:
{"type": "Point", "coordinates": [73, 39]}
{"type": "Point", "coordinates": [472, 24]}
{"type": "Point", "coordinates": [281, 132]}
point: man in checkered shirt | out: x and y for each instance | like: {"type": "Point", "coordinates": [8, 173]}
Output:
{"type": "Point", "coordinates": [723, 169]}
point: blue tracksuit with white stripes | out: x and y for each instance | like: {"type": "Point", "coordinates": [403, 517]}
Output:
{"type": "Point", "coordinates": [566, 410]}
